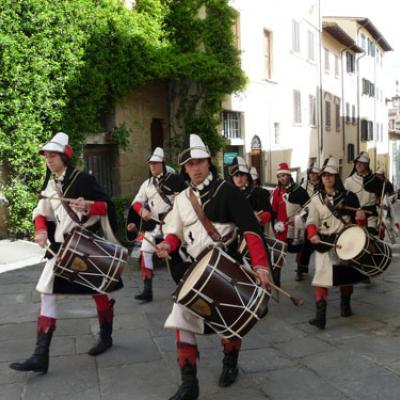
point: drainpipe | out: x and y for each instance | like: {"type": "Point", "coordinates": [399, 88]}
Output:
{"type": "Point", "coordinates": [358, 95]}
{"type": "Point", "coordinates": [343, 104]}
{"type": "Point", "coordinates": [321, 128]}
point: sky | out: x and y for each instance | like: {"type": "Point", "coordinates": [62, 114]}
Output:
{"type": "Point", "coordinates": [386, 18]}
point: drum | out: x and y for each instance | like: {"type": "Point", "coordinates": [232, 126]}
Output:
{"type": "Point", "coordinates": [89, 260]}
{"type": "Point", "coordinates": [276, 248]}
{"type": "Point", "coordinates": [365, 253]}
{"type": "Point", "coordinates": [222, 292]}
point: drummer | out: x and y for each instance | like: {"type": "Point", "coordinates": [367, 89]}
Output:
{"type": "Point", "coordinates": [152, 202]}
{"type": "Point", "coordinates": [311, 183]}
{"type": "Point", "coordinates": [225, 209]}
{"type": "Point", "coordinates": [53, 220]}
{"type": "Point", "coordinates": [325, 220]}
{"type": "Point", "coordinates": [288, 199]}
{"type": "Point", "coordinates": [367, 187]}
{"type": "Point", "coordinates": [258, 197]}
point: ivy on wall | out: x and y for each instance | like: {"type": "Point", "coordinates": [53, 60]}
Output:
{"type": "Point", "coordinates": [64, 64]}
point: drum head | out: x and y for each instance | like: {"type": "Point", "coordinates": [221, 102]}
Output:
{"type": "Point", "coordinates": [350, 242]}
{"type": "Point", "coordinates": [195, 275]}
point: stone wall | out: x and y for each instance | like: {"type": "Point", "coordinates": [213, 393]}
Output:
{"type": "Point", "coordinates": [137, 112]}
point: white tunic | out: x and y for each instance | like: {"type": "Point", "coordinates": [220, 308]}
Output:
{"type": "Point", "coordinates": [54, 211]}
{"type": "Point", "coordinates": [327, 224]}
{"type": "Point", "coordinates": [355, 184]}
{"type": "Point", "coordinates": [149, 196]}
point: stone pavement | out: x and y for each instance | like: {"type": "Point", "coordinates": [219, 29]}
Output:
{"type": "Point", "coordinates": [283, 357]}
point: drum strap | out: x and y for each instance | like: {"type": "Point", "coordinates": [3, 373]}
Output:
{"type": "Point", "coordinates": [67, 208]}
{"type": "Point", "coordinates": [161, 193]}
{"type": "Point", "coordinates": [335, 212]}
{"type": "Point", "coordinates": [208, 226]}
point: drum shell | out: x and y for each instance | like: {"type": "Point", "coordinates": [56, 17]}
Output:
{"type": "Point", "coordinates": [277, 250]}
{"type": "Point", "coordinates": [374, 258]}
{"type": "Point", "coordinates": [218, 286]}
{"type": "Point", "coordinates": [85, 257]}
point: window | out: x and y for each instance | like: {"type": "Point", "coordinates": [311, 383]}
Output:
{"type": "Point", "coordinates": [295, 36]}
{"type": "Point", "coordinates": [370, 130]}
{"type": "Point", "coordinates": [362, 36]}
{"type": "Point", "coordinates": [347, 113]}
{"type": "Point", "coordinates": [336, 66]}
{"type": "Point", "coordinates": [296, 107]}
{"type": "Point", "coordinates": [350, 152]}
{"type": "Point", "coordinates": [371, 90]}
{"type": "Point", "coordinates": [349, 62]}
{"type": "Point", "coordinates": [371, 48]}
{"type": "Point", "coordinates": [310, 50]}
{"type": "Point", "coordinates": [327, 114]}
{"type": "Point", "coordinates": [267, 54]}
{"type": "Point", "coordinates": [353, 114]}
{"type": "Point", "coordinates": [232, 122]}
{"type": "Point", "coordinates": [364, 129]}
{"type": "Point", "coordinates": [277, 133]}
{"type": "Point", "coordinates": [337, 116]}
{"type": "Point", "coordinates": [312, 110]}
{"type": "Point", "coordinates": [326, 60]}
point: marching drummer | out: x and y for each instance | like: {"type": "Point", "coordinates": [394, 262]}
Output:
{"type": "Point", "coordinates": [329, 212]}
{"type": "Point", "coordinates": [222, 209]}
{"type": "Point", "coordinates": [255, 177]}
{"type": "Point", "coordinates": [152, 202]}
{"type": "Point", "coordinates": [53, 220]}
{"type": "Point", "coordinates": [258, 197]}
{"type": "Point", "coordinates": [367, 187]}
{"type": "Point", "coordinates": [288, 199]}
{"type": "Point", "coordinates": [311, 183]}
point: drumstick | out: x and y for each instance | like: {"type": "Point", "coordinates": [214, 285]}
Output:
{"type": "Point", "coordinates": [356, 209]}
{"type": "Point", "coordinates": [66, 199]}
{"type": "Point", "coordinates": [330, 244]}
{"type": "Point", "coordinates": [154, 246]}
{"type": "Point", "coordinates": [296, 302]}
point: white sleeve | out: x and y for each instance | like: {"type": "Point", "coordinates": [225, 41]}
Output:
{"type": "Point", "coordinates": [313, 217]}
{"type": "Point", "coordinates": [43, 208]}
{"type": "Point", "coordinates": [173, 224]}
{"type": "Point", "coordinates": [141, 196]}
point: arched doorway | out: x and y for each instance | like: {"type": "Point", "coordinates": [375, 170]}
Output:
{"type": "Point", "coordinates": [157, 133]}
{"type": "Point", "coordinates": [256, 155]}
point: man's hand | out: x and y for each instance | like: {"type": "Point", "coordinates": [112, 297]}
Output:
{"type": "Point", "coordinates": [315, 239]}
{"type": "Point", "coordinates": [41, 238]}
{"type": "Point", "coordinates": [131, 227]}
{"type": "Point", "coordinates": [145, 214]}
{"type": "Point", "coordinates": [360, 215]}
{"type": "Point", "coordinates": [163, 249]}
{"type": "Point", "coordinates": [279, 227]}
{"type": "Point", "coordinates": [79, 205]}
{"type": "Point", "coordinates": [263, 276]}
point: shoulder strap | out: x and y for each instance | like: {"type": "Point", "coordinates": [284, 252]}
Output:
{"type": "Point", "coordinates": [67, 208]}
{"type": "Point", "coordinates": [207, 224]}
{"type": "Point", "coordinates": [161, 193]}
{"type": "Point", "coordinates": [335, 212]}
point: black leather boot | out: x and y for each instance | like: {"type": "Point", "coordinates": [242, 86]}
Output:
{"type": "Point", "coordinates": [345, 307]}
{"type": "Point", "coordinates": [189, 389]}
{"type": "Point", "coordinates": [147, 294]}
{"type": "Point", "coordinates": [276, 276]}
{"type": "Point", "coordinates": [299, 273]}
{"type": "Point", "coordinates": [106, 327]}
{"type": "Point", "coordinates": [230, 368]}
{"type": "Point", "coordinates": [39, 361]}
{"type": "Point", "coordinates": [320, 318]}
